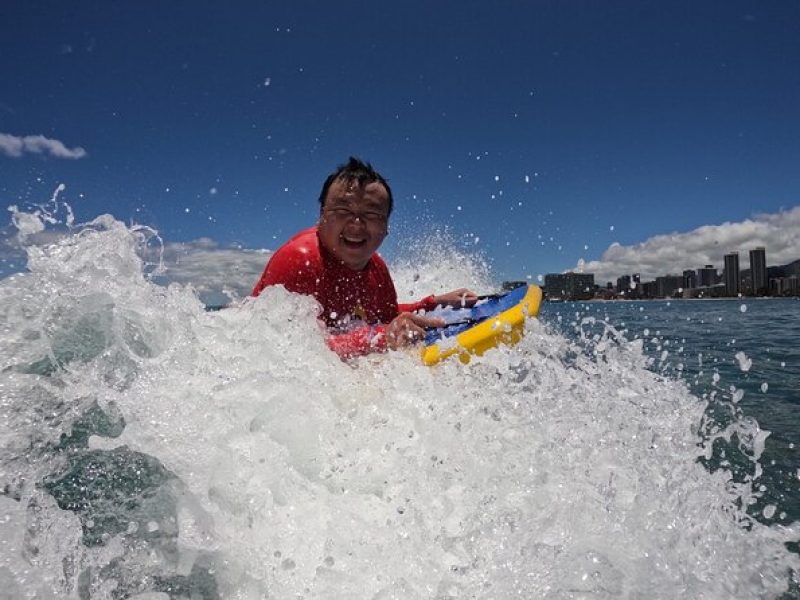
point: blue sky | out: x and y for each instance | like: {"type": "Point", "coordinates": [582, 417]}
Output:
{"type": "Point", "coordinates": [538, 133]}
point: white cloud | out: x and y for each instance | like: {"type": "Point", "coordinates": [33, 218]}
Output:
{"type": "Point", "coordinates": [15, 146]}
{"type": "Point", "coordinates": [214, 271]}
{"type": "Point", "coordinates": [671, 253]}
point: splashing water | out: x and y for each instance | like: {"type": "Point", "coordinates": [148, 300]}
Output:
{"type": "Point", "coordinates": [150, 447]}
{"type": "Point", "coordinates": [434, 266]}
{"type": "Point", "coordinates": [744, 361]}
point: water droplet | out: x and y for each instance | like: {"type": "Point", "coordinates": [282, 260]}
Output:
{"type": "Point", "coordinates": [744, 362]}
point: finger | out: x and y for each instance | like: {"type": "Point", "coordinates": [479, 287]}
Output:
{"type": "Point", "coordinates": [411, 337]}
{"type": "Point", "coordinates": [405, 333]}
{"type": "Point", "coordinates": [422, 322]}
{"type": "Point", "coordinates": [415, 332]}
{"type": "Point", "coordinates": [412, 334]}
{"type": "Point", "coordinates": [469, 298]}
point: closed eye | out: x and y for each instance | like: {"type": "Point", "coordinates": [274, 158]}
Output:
{"type": "Point", "coordinates": [342, 212]}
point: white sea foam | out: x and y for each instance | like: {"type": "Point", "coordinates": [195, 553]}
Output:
{"type": "Point", "coordinates": [542, 471]}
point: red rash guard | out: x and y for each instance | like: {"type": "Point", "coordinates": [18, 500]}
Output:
{"type": "Point", "coordinates": [367, 297]}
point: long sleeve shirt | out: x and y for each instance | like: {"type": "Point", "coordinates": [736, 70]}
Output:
{"type": "Point", "coordinates": [356, 305]}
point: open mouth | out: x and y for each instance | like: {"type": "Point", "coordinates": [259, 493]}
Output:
{"type": "Point", "coordinates": [352, 242]}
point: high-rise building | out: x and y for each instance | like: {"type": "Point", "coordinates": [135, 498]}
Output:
{"type": "Point", "coordinates": [636, 286]}
{"type": "Point", "coordinates": [792, 284]}
{"type": "Point", "coordinates": [649, 289]}
{"type": "Point", "coordinates": [758, 270]}
{"type": "Point", "coordinates": [689, 279]}
{"type": "Point", "coordinates": [732, 274]}
{"type": "Point", "coordinates": [785, 286]}
{"type": "Point", "coordinates": [668, 285]}
{"type": "Point", "coordinates": [569, 286]}
{"type": "Point", "coordinates": [707, 276]}
{"type": "Point", "coordinates": [624, 284]}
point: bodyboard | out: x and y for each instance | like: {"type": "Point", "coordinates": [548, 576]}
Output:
{"type": "Point", "coordinates": [473, 331]}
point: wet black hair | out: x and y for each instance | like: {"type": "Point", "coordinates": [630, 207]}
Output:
{"type": "Point", "coordinates": [355, 170]}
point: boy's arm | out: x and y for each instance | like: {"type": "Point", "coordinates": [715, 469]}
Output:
{"type": "Point", "coordinates": [457, 298]}
{"type": "Point", "coordinates": [361, 341]}
{"type": "Point", "coordinates": [427, 303]}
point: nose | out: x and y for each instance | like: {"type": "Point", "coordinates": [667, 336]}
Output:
{"type": "Point", "coordinates": [357, 218]}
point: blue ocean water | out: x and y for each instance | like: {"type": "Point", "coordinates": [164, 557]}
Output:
{"type": "Point", "coordinates": [743, 355]}
{"type": "Point", "coordinates": [150, 448]}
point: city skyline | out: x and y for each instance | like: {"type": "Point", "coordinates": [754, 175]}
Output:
{"type": "Point", "coordinates": [709, 275]}
{"type": "Point", "coordinates": [707, 281]}
{"type": "Point", "coordinates": [674, 252]}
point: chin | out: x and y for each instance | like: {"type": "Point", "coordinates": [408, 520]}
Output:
{"type": "Point", "coordinates": [357, 259]}
{"type": "Point", "coordinates": [354, 264]}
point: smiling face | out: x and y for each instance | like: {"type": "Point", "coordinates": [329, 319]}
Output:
{"type": "Point", "coordinates": [353, 221]}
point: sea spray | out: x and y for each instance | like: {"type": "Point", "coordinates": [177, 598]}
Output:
{"type": "Point", "coordinates": [434, 265]}
{"type": "Point", "coordinates": [149, 446]}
